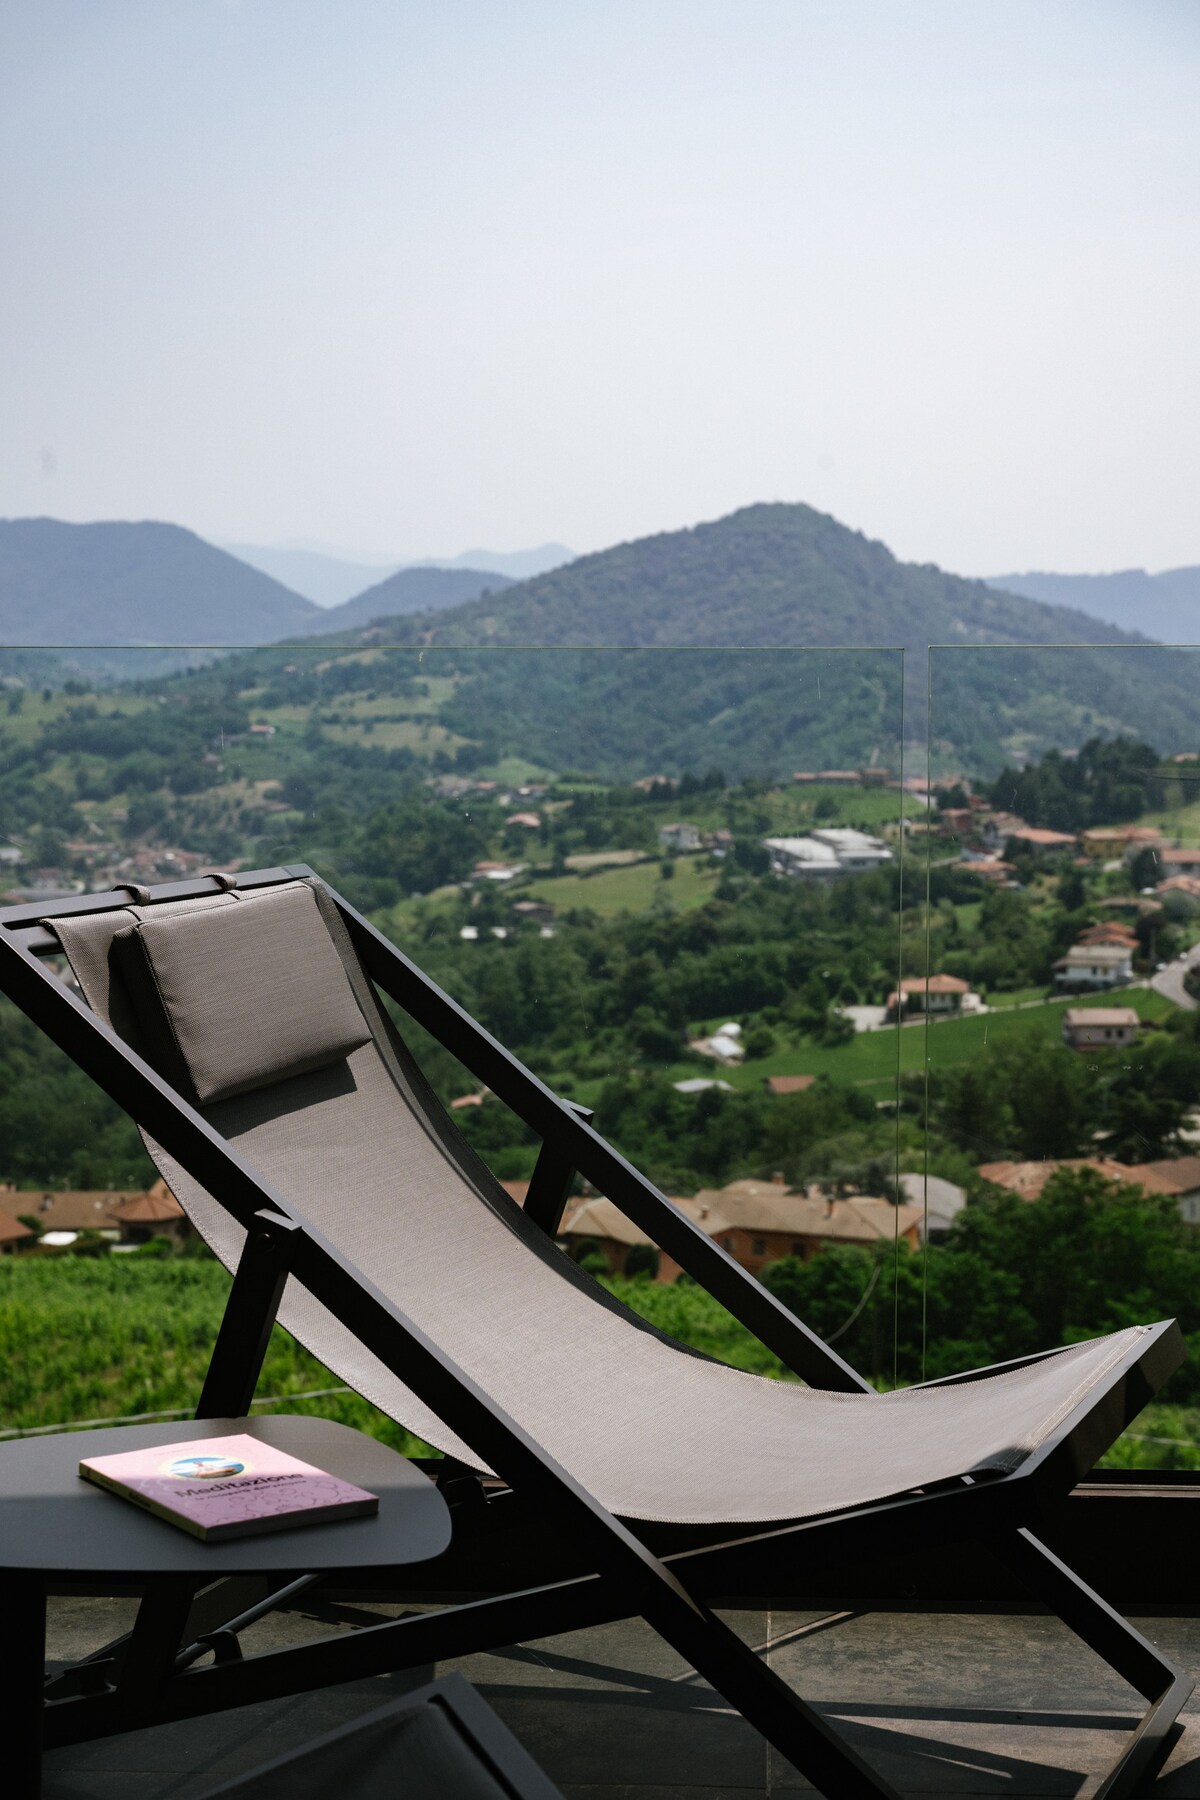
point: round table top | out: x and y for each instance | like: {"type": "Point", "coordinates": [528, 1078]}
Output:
{"type": "Point", "coordinates": [55, 1522]}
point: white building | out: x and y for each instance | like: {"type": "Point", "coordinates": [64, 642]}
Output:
{"type": "Point", "coordinates": [679, 837]}
{"type": "Point", "coordinates": [724, 1046]}
{"type": "Point", "coordinates": [1093, 966]}
{"type": "Point", "coordinates": [855, 850]}
{"type": "Point", "coordinates": [1099, 1027]}
{"type": "Point", "coordinates": [802, 856]}
{"type": "Point", "coordinates": [827, 855]}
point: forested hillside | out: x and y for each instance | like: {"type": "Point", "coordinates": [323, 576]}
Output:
{"type": "Point", "coordinates": [409, 591]}
{"type": "Point", "coordinates": [778, 576]}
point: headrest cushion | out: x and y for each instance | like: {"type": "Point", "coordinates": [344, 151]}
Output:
{"type": "Point", "coordinates": [237, 996]}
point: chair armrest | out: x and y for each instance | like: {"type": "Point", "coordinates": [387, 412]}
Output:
{"type": "Point", "coordinates": [1002, 1368]}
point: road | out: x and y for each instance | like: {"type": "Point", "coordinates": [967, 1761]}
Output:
{"type": "Point", "coordinates": [1169, 981]}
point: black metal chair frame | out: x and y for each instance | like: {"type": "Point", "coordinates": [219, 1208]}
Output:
{"type": "Point", "coordinates": [493, 1744]}
{"type": "Point", "coordinates": [673, 1592]}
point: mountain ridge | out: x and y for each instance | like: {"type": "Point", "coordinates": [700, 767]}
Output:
{"type": "Point", "coordinates": [120, 582]}
{"type": "Point", "coordinates": [766, 575]}
{"type": "Point", "coordinates": [1165, 606]}
{"type": "Point", "coordinates": [786, 576]}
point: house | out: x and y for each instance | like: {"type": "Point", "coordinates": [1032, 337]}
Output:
{"type": "Point", "coordinates": [530, 820]}
{"type": "Point", "coordinates": [995, 828]}
{"type": "Point", "coordinates": [700, 1084]}
{"type": "Point", "coordinates": [955, 821]}
{"type": "Point", "coordinates": [14, 1235]}
{"type": "Point", "coordinates": [264, 731]}
{"type": "Point", "coordinates": [1186, 886]}
{"type": "Point", "coordinates": [938, 1201]}
{"type": "Point", "coordinates": [72, 1211]}
{"type": "Point", "coordinates": [680, 836]}
{"type": "Point", "coordinates": [1111, 841]}
{"type": "Point", "coordinates": [941, 996]}
{"type": "Point", "coordinates": [1099, 1027]}
{"type": "Point", "coordinates": [1033, 837]}
{"type": "Point", "coordinates": [1027, 1179]}
{"type": "Point", "coordinates": [725, 1045]}
{"type": "Point", "coordinates": [757, 1222]}
{"type": "Point", "coordinates": [156, 1214]}
{"type": "Point", "coordinates": [599, 1225]}
{"type": "Point", "coordinates": [497, 871]}
{"type": "Point", "coordinates": [1109, 931]}
{"type": "Point", "coordinates": [788, 1084]}
{"type": "Point", "coordinates": [463, 1101]}
{"type": "Point", "coordinates": [1174, 860]}
{"type": "Point", "coordinates": [1088, 967]}
{"type": "Point", "coordinates": [995, 869]}
{"type": "Point", "coordinates": [534, 912]}
{"type": "Point", "coordinates": [1178, 1177]}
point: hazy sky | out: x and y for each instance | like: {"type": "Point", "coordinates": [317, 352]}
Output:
{"type": "Point", "coordinates": [408, 278]}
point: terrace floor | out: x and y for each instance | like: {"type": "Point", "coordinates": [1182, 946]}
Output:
{"type": "Point", "coordinates": [993, 1703]}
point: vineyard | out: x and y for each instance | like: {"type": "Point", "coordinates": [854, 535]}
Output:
{"type": "Point", "coordinates": [86, 1338]}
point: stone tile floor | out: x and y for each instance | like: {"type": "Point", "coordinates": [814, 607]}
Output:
{"type": "Point", "coordinates": [941, 1703]}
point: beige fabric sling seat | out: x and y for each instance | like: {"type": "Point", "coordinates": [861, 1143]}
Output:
{"type": "Point", "coordinates": [256, 1007]}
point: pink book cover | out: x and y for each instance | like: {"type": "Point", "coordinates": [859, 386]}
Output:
{"type": "Point", "coordinates": [228, 1487]}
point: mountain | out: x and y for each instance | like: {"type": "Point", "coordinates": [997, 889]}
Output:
{"type": "Point", "coordinates": [330, 580]}
{"type": "Point", "coordinates": [144, 583]}
{"type": "Point", "coordinates": [518, 565]}
{"type": "Point", "coordinates": [327, 580]}
{"type": "Point", "coordinates": [786, 575]}
{"type": "Point", "coordinates": [1164, 606]}
{"type": "Point", "coordinates": [409, 591]}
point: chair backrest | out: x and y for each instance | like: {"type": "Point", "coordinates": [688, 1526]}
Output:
{"type": "Point", "coordinates": [258, 1008]}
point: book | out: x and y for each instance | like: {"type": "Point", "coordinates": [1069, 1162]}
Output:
{"type": "Point", "coordinates": [228, 1487]}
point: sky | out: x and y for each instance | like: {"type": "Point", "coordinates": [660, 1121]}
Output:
{"type": "Point", "coordinates": [398, 279]}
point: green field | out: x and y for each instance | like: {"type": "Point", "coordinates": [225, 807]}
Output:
{"type": "Point", "coordinates": [633, 889]}
{"type": "Point", "coordinates": [870, 1058]}
{"type": "Point", "coordinates": [1029, 996]}
{"type": "Point", "coordinates": [37, 713]}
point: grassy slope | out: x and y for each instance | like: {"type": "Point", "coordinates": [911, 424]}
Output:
{"type": "Point", "coordinates": [870, 1058]}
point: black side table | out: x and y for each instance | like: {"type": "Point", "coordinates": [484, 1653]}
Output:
{"type": "Point", "coordinates": [53, 1524]}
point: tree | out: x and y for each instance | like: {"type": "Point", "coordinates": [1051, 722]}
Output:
{"type": "Point", "coordinates": [643, 1259]}
{"type": "Point", "coordinates": [1147, 869]}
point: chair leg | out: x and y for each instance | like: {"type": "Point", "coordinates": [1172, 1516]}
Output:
{"type": "Point", "coordinates": [797, 1730]}
{"type": "Point", "coordinates": [1132, 1656]}
{"type": "Point", "coordinates": [22, 1672]}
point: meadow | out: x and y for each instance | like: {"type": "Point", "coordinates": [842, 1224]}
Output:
{"type": "Point", "coordinates": [869, 1059]}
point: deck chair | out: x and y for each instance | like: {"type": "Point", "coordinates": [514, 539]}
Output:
{"type": "Point", "coordinates": [242, 1025]}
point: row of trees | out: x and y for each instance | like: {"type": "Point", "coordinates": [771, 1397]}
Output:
{"type": "Point", "coordinates": [1089, 1257]}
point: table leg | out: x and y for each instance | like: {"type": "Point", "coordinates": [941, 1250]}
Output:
{"type": "Point", "coordinates": [22, 1678]}
{"type": "Point", "coordinates": [149, 1659]}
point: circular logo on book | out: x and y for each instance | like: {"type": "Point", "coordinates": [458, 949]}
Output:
{"type": "Point", "coordinates": [204, 1468]}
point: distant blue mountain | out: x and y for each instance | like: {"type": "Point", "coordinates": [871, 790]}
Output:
{"type": "Point", "coordinates": [1166, 606]}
